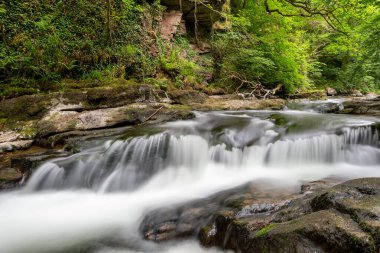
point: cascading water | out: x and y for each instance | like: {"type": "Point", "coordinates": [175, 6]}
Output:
{"type": "Point", "coordinates": [94, 200]}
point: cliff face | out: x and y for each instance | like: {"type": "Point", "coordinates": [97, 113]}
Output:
{"type": "Point", "coordinates": [205, 13]}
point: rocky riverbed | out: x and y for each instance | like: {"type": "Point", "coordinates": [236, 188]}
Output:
{"type": "Point", "coordinates": [322, 217]}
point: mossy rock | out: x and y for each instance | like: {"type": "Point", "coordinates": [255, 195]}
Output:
{"type": "Point", "coordinates": [359, 198]}
{"type": "Point", "coordinates": [186, 97]}
{"type": "Point", "coordinates": [25, 107]}
{"type": "Point", "coordinates": [323, 231]}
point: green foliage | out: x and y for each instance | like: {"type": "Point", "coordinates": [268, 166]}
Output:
{"type": "Point", "coordinates": [285, 47]}
{"type": "Point", "coordinates": [44, 42]}
{"type": "Point", "coordinates": [264, 49]}
{"type": "Point", "coordinates": [179, 63]}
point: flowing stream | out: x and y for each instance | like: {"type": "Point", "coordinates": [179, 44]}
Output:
{"type": "Point", "coordinates": [94, 200]}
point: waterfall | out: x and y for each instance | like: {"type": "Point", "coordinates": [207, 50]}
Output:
{"type": "Point", "coordinates": [96, 198]}
{"type": "Point", "coordinates": [126, 165]}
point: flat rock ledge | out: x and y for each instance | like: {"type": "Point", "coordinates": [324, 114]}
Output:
{"type": "Point", "coordinates": [59, 120]}
{"type": "Point", "coordinates": [320, 218]}
{"type": "Point", "coordinates": [36, 119]}
{"type": "Point", "coordinates": [368, 106]}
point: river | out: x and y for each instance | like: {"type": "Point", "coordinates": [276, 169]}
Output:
{"type": "Point", "coordinates": [94, 201]}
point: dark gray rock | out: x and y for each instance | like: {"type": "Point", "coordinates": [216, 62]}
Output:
{"type": "Point", "coordinates": [321, 218]}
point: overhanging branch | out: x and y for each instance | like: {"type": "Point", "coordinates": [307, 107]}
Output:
{"type": "Point", "coordinates": [307, 10]}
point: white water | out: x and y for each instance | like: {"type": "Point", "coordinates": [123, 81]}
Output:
{"type": "Point", "coordinates": [102, 193]}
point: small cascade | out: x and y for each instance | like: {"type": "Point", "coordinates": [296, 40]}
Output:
{"type": "Point", "coordinates": [120, 166]}
{"type": "Point", "coordinates": [366, 135]}
{"type": "Point", "coordinates": [126, 165]}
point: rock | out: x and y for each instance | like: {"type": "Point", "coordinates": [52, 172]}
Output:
{"type": "Point", "coordinates": [187, 219]}
{"type": "Point", "coordinates": [358, 198]}
{"type": "Point", "coordinates": [8, 136]}
{"type": "Point", "coordinates": [37, 106]}
{"type": "Point", "coordinates": [55, 128]}
{"type": "Point", "coordinates": [25, 107]}
{"type": "Point", "coordinates": [172, 24]}
{"type": "Point", "coordinates": [201, 47]}
{"type": "Point", "coordinates": [313, 95]}
{"type": "Point", "coordinates": [331, 91]}
{"type": "Point", "coordinates": [205, 15]}
{"type": "Point", "coordinates": [356, 93]}
{"type": "Point", "coordinates": [231, 103]}
{"type": "Point", "coordinates": [344, 218]}
{"type": "Point", "coordinates": [17, 166]}
{"type": "Point", "coordinates": [322, 218]}
{"type": "Point", "coordinates": [323, 231]}
{"type": "Point", "coordinates": [315, 186]}
{"type": "Point", "coordinates": [9, 178]}
{"type": "Point", "coordinates": [15, 145]}
{"type": "Point", "coordinates": [186, 97]}
{"type": "Point", "coordinates": [361, 106]}
{"type": "Point", "coordinates": [317, 106]}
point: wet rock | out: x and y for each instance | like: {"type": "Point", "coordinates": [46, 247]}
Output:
{"type": "Point", "coordinates": [316, 186]}
{"type": "Point", "coordinates": [187, 219]}
{"type": "Point", "coordinates": [362, 106]}
{"type": "Point", "coordinates": [344, 218]}
{"type": "Point", "coordinates": [17, 166]}
{"type": "Point", "coordinates": [323, 231]}
{"type": "Point", "coordinates": [321, 218]}
{"type": "Point", "coordinates": [358, 198]}
{"type": "Point", "coordinates": [10, 178]}
{"type": "Point", "coordinates": [327, 108]}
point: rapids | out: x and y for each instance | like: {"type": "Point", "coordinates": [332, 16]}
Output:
{"type": "Point", "coordinates": [93, 201]}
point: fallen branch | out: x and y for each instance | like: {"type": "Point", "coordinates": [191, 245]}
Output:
{"type": "Point", "coordinates": [147, 119]}
{"type": "Point", "coordinates": [258, 89]}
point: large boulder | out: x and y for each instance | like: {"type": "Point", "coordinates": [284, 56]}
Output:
{"type": "Point", "coordinates": [362, 106]}
{"type": "Point", "coordinates": [321, 218]}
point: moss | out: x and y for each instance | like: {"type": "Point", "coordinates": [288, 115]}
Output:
{"type": "Point", "coordinates": [280, 119]}
{"type": "Point", "coordinates": [265, 230]}
{"type": "Point", "coordinates": [28, 130]}
{"type": "Point", "coordinates": [72, 124]}
{"type": "Point", "coordinates": [140, 131]}
{"type": "Point", "coordinates": [23, 107]}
